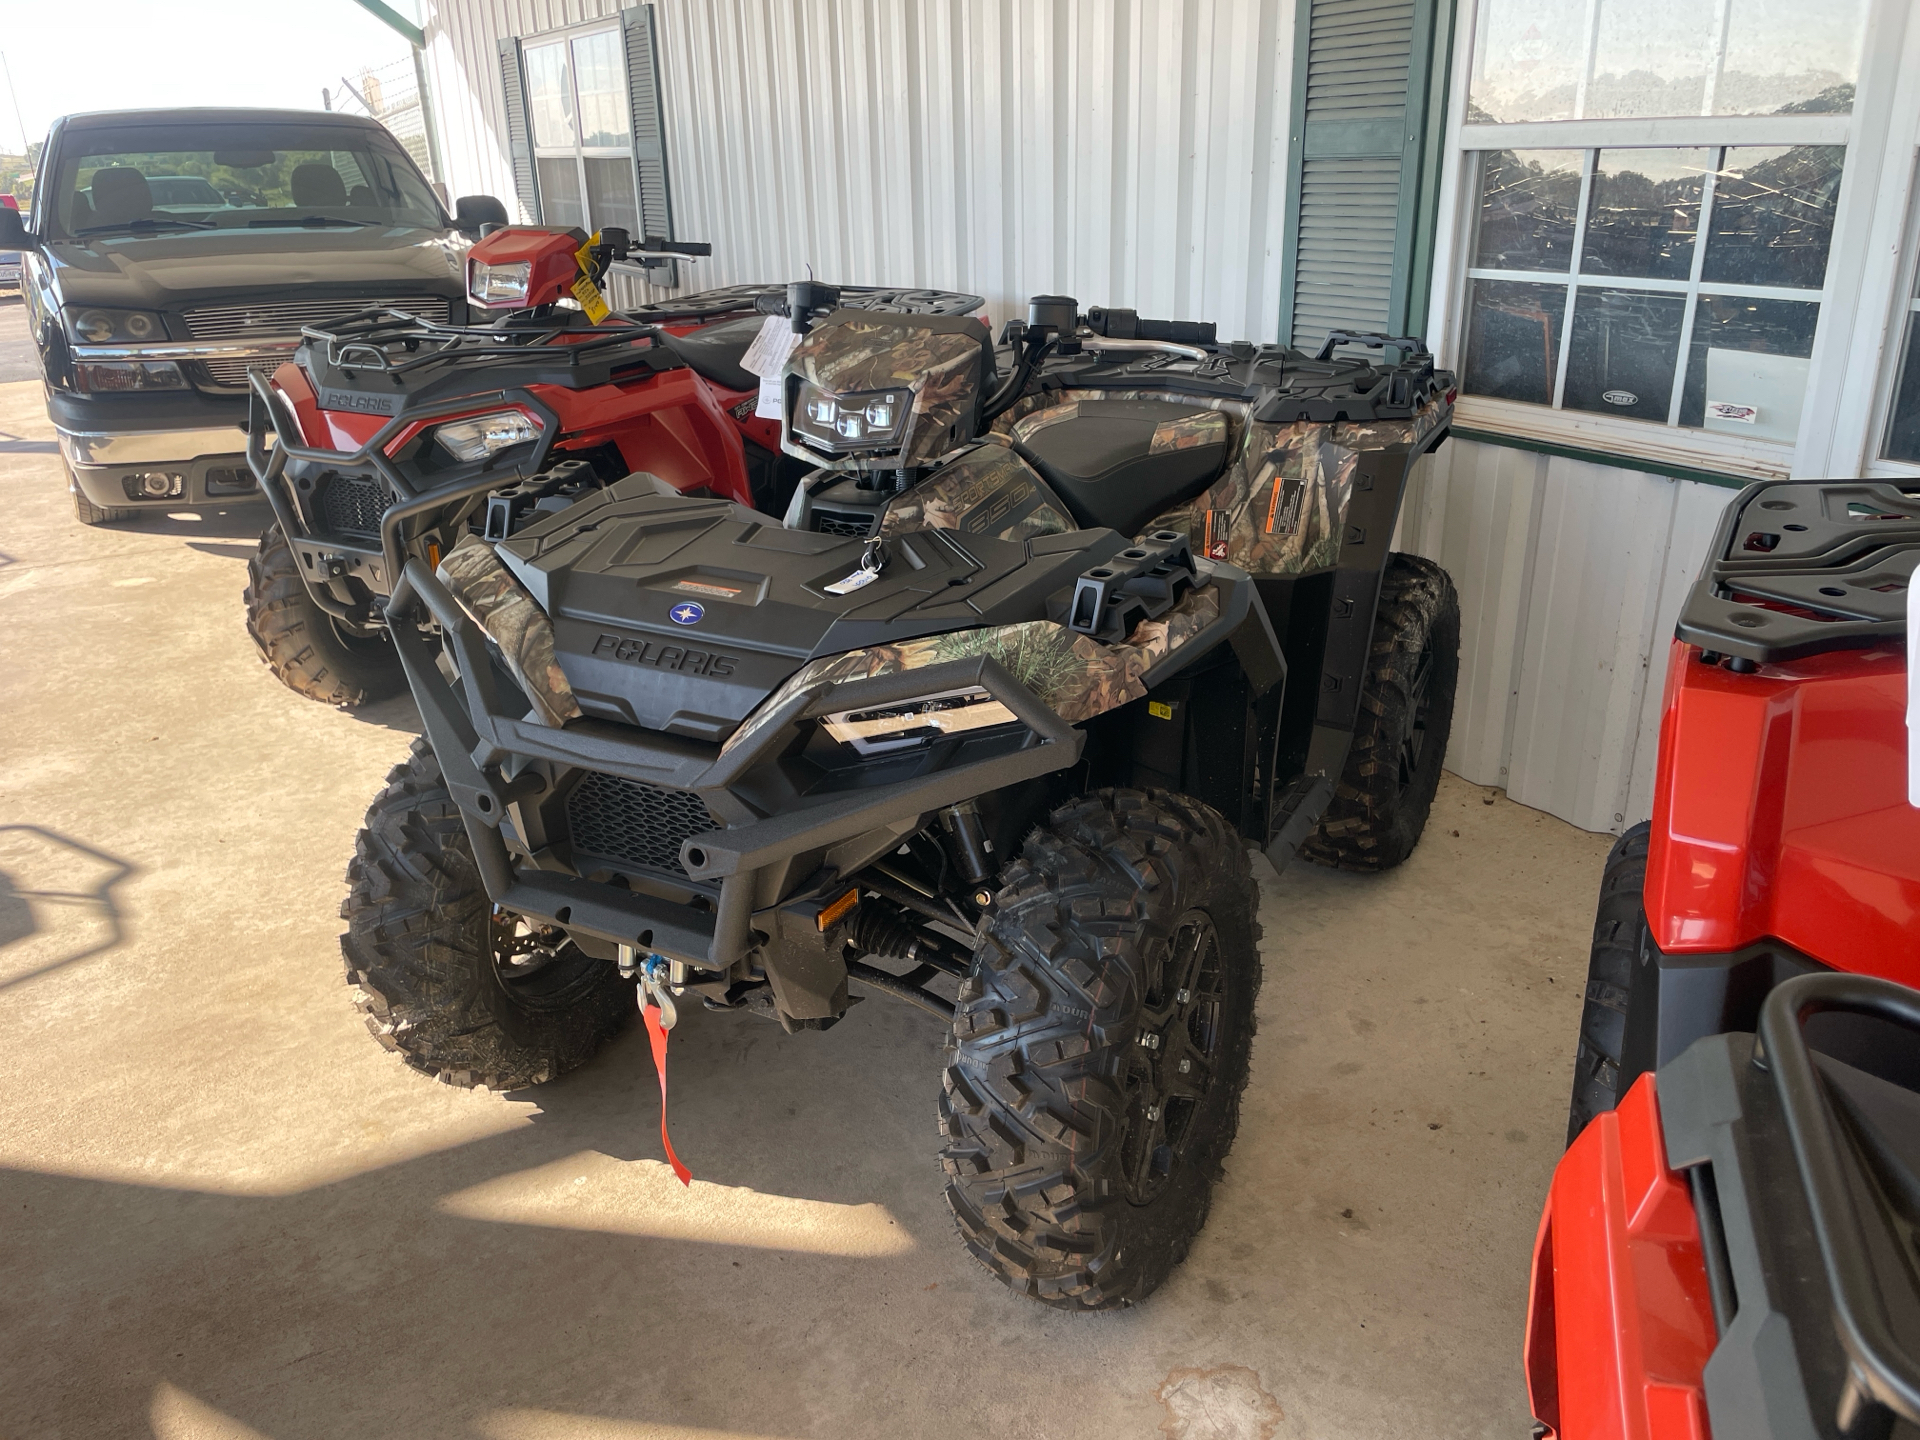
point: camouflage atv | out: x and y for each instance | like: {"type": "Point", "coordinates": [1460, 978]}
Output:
{"type": "Point", "coordinates": [988, 725]}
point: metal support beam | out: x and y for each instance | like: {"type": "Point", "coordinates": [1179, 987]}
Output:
{"type": "Point", "coordinates": [394, 21]}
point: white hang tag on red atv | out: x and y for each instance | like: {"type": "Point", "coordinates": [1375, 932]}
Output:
{"type": "Point", "coordinates": [584, 290]}
{"type": "Point", "coordinates": [767, 358]}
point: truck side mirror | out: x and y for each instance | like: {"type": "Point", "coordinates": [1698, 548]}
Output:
{"type": "Point", "coordinates": [13, 231]}
{"type": "Point", "coordinates": [470, 212]}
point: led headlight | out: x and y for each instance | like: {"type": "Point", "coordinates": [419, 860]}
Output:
{"type": "Point", "coordinates": [93, 326]}
{"type": "Point", "coordinates": [887, 728]}
{"type": "Point", "coordinates": [498, 286]}
{"type": "Point", "coordinates": [861, 420]}
{"type": "Point", "coordinates": [480, 437]}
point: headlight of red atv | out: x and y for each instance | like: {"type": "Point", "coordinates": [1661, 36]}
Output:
{"type": "Point", "coordinates": [499, 286]}
{"type": "Point", "coordinates": [481, 437]}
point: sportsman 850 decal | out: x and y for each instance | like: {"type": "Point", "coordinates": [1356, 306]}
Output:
{"type": "Point", "coordinates": [683, 658]}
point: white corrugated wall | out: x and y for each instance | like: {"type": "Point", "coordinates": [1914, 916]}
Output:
{"type": "Point", "coordinates": [1126, 152]}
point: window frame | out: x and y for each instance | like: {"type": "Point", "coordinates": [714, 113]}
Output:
{"type": "Point", "coordinates": [580, 152]}
{"type": "Point", "coordinates": [1839, 429]}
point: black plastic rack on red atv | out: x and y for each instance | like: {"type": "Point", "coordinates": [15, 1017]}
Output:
{"type": "Point", "coordinates": [368, 340]}
{"type": "Point", "coordinates": [1800, 568]}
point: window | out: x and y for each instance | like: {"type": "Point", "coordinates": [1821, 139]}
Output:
{"type": "Point", "coordinates": [1654, 186]}
{"type": "Point", "coordinates": [1903, 426]}
{"type": "Point", "coordinates": [582, 141]}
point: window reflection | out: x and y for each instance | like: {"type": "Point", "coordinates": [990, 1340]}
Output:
{"type": "Point", "coordinates": [1644, 213]}
{"type": "Point", "coordinates": [1773, 216]}
{"type": "Point", "coordinates": [1747, 366]}
{"type": "Point", "coordinates": [600, 74]}
{"type": "Point", "coordinates": [1513, 339]}
{"type": "Point", "coordinates": [1786, 57]}
{"type": "Point", "coordinates": [549, 94]}
{"type": "Point", "coordinates": [1620, 361]}
{"type": "Point", "coordinates": [1650, 58]}
{"type": "Point", "coordinates": [1529, 202]}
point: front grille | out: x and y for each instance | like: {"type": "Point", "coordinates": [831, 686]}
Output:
{"type": "Point", "coordinates": [633, 821]}
{"type": "Point", "coordinates": [233, 373]}
{"type": "Point", "coordinates": [282, 319]}
{"type": "Point", "coordinates": [352, 504]}
{"type": "Point", "coordinates": [854, 524]}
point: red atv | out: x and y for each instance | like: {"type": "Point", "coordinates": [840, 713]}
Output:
{"type": "Point", "coordinates": [1782, 861]}
{"type": "Point", "coordinates": [394, 437]}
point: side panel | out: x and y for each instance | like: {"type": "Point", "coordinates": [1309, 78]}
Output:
{"type": "Point", "coordinates": [1780, 811]}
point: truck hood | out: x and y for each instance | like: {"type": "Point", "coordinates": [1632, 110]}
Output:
{"type": "Point", "coordinates": [683, 615]}
{"type": "Point", "coordinates": [168, 271]}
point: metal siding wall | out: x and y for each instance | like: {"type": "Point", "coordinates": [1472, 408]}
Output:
{"type": "Point", "coordinates": [1127, 152]}
{"type": "Point", "coordinates": [1571, 578]}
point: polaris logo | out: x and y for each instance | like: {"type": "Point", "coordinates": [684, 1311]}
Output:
{"type": "Point", "coordinates": [359, 400]}
{"type": "Point", "coordinates": [683, 658]}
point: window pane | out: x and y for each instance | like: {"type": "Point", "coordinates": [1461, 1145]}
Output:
{"type": "Point", "coordinates": [1644, 213]}
{"type": "Point", "coordinates": [1620, 360]}
{"type": "Point", "coordinates": [600, 72]}
{"type": "Point", "coordinates": [1524, 67]}
{"type": "Point", "coordinates": [550, 95]}
{"type": "Point", "coordinates": [1787, 55]}
{"type": "Point", "coordinates": [1773, 215]}
{"type": "Point", "coordinates": [1528, 202]}
{"type": "Point", "coordinates": [1650, 57]}
{"type": "Point", "coordinates": [560, 191]}
{"type": "Point", "coordinates": [1513, 339]}
{"type": "Point", "coordinates": [1747, 370]}
{"type": "Point", "coordinates": [1903, 429]}
{"type": "Point", "coordinates": [610, 194]}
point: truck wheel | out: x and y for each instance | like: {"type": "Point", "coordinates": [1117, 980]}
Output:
{"type": "Point", "coordinates": [1099, 1048]}
{"type": "Point", "coordinates": [1620, 937]}
{"type": "Point", "coordinates": [1380, 804]}
{"type": "Point", "coordinates": [465, 995]}
{"type": "Point", "coordinates": [310, 652]}
{"type": "Point", "coordinates": [92, 514]}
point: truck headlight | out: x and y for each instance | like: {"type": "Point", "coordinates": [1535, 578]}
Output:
{"type": "Point", "coordinates": [498, 286]}
{"type": "Point", "coordinates": [481, 437]}
{"type": "Point", "coordinates": [886, 728]}
{"type": "Point", "coordinates": [859, 420]}
{"type": "Point", "coordinates": [120, 376]}
{"type": "Point", "coordinates": [97, 325]}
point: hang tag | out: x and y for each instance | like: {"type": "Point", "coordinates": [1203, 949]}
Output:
{"type": "Point", "coordinates": [858, 580]}
{"type": "Point", "coordinates": [584, 290]}
{"type": "Point", "coordinates": [767, 358]}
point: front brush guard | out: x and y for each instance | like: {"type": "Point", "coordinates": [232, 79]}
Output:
{"type": "Point", "coordinates": [480, 739]}
{"type": "Point", "coordinates": [267, 412]}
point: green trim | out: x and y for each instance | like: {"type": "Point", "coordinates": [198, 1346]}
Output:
{"type": "Point", "coordinates": [1296, 161]}
{"type": "Point", "coordinates": [1426, 224]}
{"type": "Point", "coordinates": [1410, 145]}
{"type": "Point", "coordinates": [394, 21]}
{"type": "Point", "coordinates": [1602, 457]}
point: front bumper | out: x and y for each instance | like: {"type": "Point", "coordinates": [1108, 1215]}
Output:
{"type": "Point", "coordinates": [108, 441]}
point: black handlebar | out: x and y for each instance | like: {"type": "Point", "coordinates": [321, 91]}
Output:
{"type": "Point", "coordinates": [1118, 324]}
{"type": "Point", "coordinates": [657, 245]}
{"type": "Point", "coordinates": [1412, 344]}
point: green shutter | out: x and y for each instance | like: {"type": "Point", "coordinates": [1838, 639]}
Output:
{"type": "Point", "coordinates": [649, 128]}
{"type": "Point", "coordinates": [513, 88]}
{"type": "Point", "coordinates": [1362, 161]}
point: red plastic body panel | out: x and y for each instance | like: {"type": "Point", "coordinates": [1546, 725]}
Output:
{"type": "Point", "coordinates": [323, 429]}
{"type": "Point", "coordinates": [1780, 811]}
{"type": "Point", "coordinates": [1619, 1316]}
{"type": "Point", "coordinates": [550, 252]}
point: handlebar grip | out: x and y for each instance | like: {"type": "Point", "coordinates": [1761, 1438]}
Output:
{"type": "Point", "coordinates": [1117, 323]}
{"type": "Point", "coordinates": [770, 303]}
{"type": "Point", "coordinates": [1412, 344]}
{"type": "Point", "coordinates": [660, 245]}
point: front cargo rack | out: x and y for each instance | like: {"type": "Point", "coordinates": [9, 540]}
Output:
{"type": "Point", "coordinates": [1802, 567]}
{"type": "Point", "coordinates": [704, 305]}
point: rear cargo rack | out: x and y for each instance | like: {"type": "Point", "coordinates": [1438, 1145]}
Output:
{"type": "Point", "coordinates": [1799, 568]}
{"type": "Point", "coordinates": [704, 305]}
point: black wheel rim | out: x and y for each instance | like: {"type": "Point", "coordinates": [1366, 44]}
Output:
{"type": "Point", "coordinates": [1176, 1051]}
{"type": "Point", "coordinates": [1413, 745]}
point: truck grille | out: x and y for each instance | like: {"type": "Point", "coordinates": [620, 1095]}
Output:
{"type": "Point", "coordinates": [352, 504]}
{"type": "Point", "coordinates": [233, 373]}
{"type": "Point", "coordinates": [282, 319]}
{"type": "Point", "coordinates": [633, 821]}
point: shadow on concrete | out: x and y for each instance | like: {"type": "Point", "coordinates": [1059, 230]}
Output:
{"type": "Point", "coordinates": [368, 1307]}
{"type": "Point", "coordinates": [11, 444]}
{"type": "Point", "coordinates": [240, 519]}
{"type": "Point", "coordinates": [46, 859]}
{"type": "Point", "coordinates": [224, 551]}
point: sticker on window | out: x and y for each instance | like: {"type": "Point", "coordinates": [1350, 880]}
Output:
{"type": "Point", "coordinates": [1619, 397]}
{"type": "Point", "coordinates": [1722, 410]}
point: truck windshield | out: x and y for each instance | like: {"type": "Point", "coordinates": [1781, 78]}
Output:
{"type": "Point", "coordinates": [169, 179]}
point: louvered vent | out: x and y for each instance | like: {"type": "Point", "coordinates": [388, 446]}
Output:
{"type": "Point", "coordinates": [1358, 58]}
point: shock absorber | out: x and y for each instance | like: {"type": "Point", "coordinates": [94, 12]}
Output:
{"type": "Point", "coordinates": [876, 931]}
{"type": "Point", "coordinates": [972, 847]}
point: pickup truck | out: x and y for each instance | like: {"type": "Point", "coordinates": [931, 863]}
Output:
{"type": "Point", "coordinates": [173, 251]}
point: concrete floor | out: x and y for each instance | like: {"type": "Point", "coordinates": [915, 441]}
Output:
{"type": "Point", "coordinates": [225, 1212]}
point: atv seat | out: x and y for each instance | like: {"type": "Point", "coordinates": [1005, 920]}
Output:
{"type": "Point", "coordinates": [713, 351]}
{"type": "Point", "coordinates": [1119, 463]}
